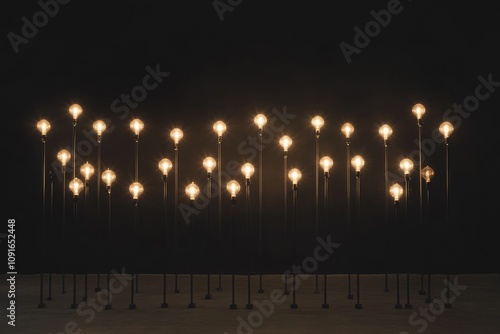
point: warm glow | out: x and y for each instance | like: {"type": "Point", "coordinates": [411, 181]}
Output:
{"type": "Point", "coordinates": [63, 156]}
{"type": "Point", "coordinates": [294, 175]}
{"type": "Point", "coordinates": [136, 189]}
{"type": "Point", "coordinates": [385, 131]}
{"type": "Point", "coordinates": [99, 127]}
{"type": "Point", "coordinates": [326, 163]}
{"type": "Point", "coordinates": [357, 162]}
{"type": "Point", "coordinates": [43, 126]}
{"type": "Point", "coordinates": [209, 164]}
{"type": "Point", "coordinates": [260, 120]}
{"type": "Point", "coordinates": [317, 122]}
{"type": "Point", "coordinates": [396, 191]}
{"type": "Point", "coordinates": [219, 128]}
{"type": "Point", "coordinates": [247, 170]}
{"type": "Point", "coordinates": [87, 170]}
{"type": "Point", "coordinates": [165, 165]}
{"type": "Point", "coordinates": [446, 129]}
{"type": "Point", "coordinates": [176, 135]}
{"type": "Point", "coordinates": [136, 125]}
{"type": "Point", "coordinates": [76, 185]}
{"type": "Point", "coordinates": [192, 190]}
{"type": "Point", "coordinates": [108, 176]}
{"type": "Point", "coordinates": [347, 129]}
{"type": "Point", "coordinates": [427, 174]}
{"type": "Point", "coordinates": [233, 187]}
{"type": "Point", "coordinates": [418, 110]}
{"type": "Point", "coordinates": [75, 110]}
{"type": "Point", "coordinates": [285, 142]}
{"type": "Point", "coordinates": [406, 166]}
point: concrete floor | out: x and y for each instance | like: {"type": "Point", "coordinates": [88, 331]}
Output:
{"type": "Point", "coordinates": [476, 308]}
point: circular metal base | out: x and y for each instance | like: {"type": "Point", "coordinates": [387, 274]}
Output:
{"type": "Point", "coordinates": [108, 307]}
{"type": "Point", "coordinates": [286, 293]}
{"type": "Point", "coordinates": [49, 298]}
{"type": "Point", "coordinates": [177, 291]}
{"type": "Point", "coordinates": [249, 306]}
{"type": "Point", "coordinates": [398, 307]}
{"type": "Point", "coordinates": [164, 305]}
{"type": "Point", "coordinates": [233, 307]}
{"type": "Point", "coordinates": [317, 292]}
{"type": "Point", "coordinates": [132, 306]}
{"type": "Point", "coordinates": [408, 306]}
{"type": "Point", "coordinates": [208, 296]}
{"type": "Point", "coordinates": [41, 305]}
{"type": "Point", "coordinates": [386, 290]}
{"type": "Point", "coordinates": [74, 306]}
{"type": "Point", "coordinates": [294, 306]}
{"type": "Point", "coordinates": [358, 306]}
{"type": "Point", "coordinates": [261, 291]}
{"type": "Point", "coordinates": [191, 305]}
{"type": "Point", "coordinates": [325, 306]}
{"type": "Point", "coordinates": [219, 288]}
{"type": "Point", "coordinates": [350, 296]}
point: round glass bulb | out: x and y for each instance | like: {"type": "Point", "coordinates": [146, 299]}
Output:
{"type": "Point", "coordinates": [385, 131]}
{"type": "Point", "coordinates": [176, 135]}
{"type": "Point", "coordinates": [63, 156]}
{"type": "Point", "coordinates": [165, 165]}
{"type": "Point", "coordinates": [357, 162]}
{"type": "Point", "coordinates": [136, 189]}
{"type": "Point", "coordinates": [233, 187]}
{"type": "Point", "coordinates": [108, 176]}
{"type": "Point", "coordinates": [43, 126]}
{"type": "Point", "coordinates": [347, 129]}
{"type": "Point", "coordinates": [396, 191]}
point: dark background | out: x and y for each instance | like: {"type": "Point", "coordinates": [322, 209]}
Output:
{"type": "Point", "coordinates": [262, 56]}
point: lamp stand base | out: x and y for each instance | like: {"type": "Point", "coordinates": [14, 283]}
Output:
{"type": "Point", "coordinates": [358, 306]}
{"type": "Point", "coordinates": [208, 296]}
{"type": "Point", "coordinates": [294, 306]}
{"type": "Point", "coordinates": [74, 306]}
{"type": "Point", "coordinates": [233, 307]}
{"type": "Point", "coordinates": [164, 305]}
{"type": "Point", "coordinates": [350, 296]}
{"type": "Point", "coordinates": [191, 305]}
{"type": "Point", "coordinates": [317, 292]}
{"type": "Point", "coordinates": [261, 291]}
{"type": "Point", "coordinates": [408, 306]}
{"type": "Point", "coordinates": [132, 306]}
{"type": "Point", "coordinates": [398, 307]}
{"type": "Point", "coordinates": [422, 292]}
{"type": "Point", "coordinates": [41, 305]}
{"type": "Point", "coordinates": [219, 288]}
{"type": "Point", "coordinates": [447, 305]}
{"type": "Point", "coordinates": [249, 306]}
{"type": "Point", "coordinates": [108, 307]}
{"type": "Point", "coordinates": [325, 306]}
